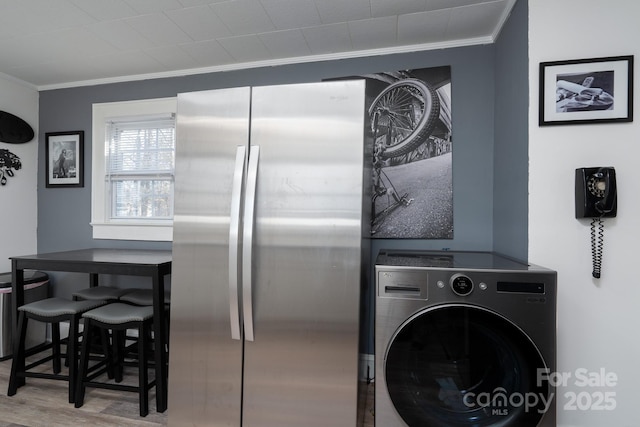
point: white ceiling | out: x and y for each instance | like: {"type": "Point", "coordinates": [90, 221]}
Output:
{"type": "Point", "coordinates": [64, 43]}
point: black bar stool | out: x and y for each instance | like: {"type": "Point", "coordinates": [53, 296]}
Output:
{"type": "Point", "coordinates": [117, 317]}
{"type": "Point", "coordinates": [141, 296]}
{"type": "Point", "coordinates": [104, 293]}
{"type": "Point", "coordinates": [52, 311]}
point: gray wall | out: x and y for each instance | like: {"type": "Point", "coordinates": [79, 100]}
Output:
{"type": "Point", "coordinates": [64, 214]}
{"type": "Point", "coordinates": [511, 150]}
{"type": "Point", "coordinates": [472, 100]}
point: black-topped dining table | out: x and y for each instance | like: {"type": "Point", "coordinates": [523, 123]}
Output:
{"type": "Point", "coordinates": [155, 264]}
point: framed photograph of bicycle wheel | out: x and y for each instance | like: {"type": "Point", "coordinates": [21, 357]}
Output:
{"type": "Point", "coordinates": [582, 91]}
{"type": "Point", "coordinates": [64, 153]}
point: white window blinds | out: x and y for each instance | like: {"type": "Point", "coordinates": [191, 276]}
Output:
{"type": "Point", "coordinates": [140, 162]}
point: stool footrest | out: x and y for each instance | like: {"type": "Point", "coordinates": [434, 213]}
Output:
{"type": "Point", "coordinates": [96, 373]}
{"type": "Point", "coordinates": [39, 362]}
{"type": "Point", "coordinates": [40, 347]}
{"type": "Point", "coordinates": [43, 375]}
{"type": "Point", "coordinates": [120, 387]}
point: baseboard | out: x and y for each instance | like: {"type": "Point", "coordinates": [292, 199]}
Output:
{"type": "Point", "coordinates": [366, 367]}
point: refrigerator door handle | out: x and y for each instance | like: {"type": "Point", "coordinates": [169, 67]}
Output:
{"type": "Point", "coordinates": [247, 242]}
{"type": "Point", "coordinates": [234, 241]}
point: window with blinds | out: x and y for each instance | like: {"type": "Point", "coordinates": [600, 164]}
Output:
{"type": "Point", "coordinates": [140, 167]}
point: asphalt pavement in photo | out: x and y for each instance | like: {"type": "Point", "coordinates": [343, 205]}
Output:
{"type": "Point", "coordinates": [428, 184]}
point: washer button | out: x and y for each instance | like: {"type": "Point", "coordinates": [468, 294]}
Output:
{"type": "Point", "coordinates": [440, 284]}
{"type": "Point", "coordinates": [461, 284]}
{"type": "Point", "coordinates": [483, 286]}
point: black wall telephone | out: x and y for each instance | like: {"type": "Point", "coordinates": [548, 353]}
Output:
{"type": "Point", "coordinates": [596, 194]}
{"type": "Point", "coordinates": [596, 197]}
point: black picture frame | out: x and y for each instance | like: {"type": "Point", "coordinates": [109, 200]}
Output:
{"type": "Point", "coordinates": [584, 91]}
{"type": "Point", "coordinates": [64, 149]}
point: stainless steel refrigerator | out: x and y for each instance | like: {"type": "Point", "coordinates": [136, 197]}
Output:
{"type": "Point", "coordinates": [268, 252]}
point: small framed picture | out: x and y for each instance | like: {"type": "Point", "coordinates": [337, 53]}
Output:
{"type": "Point", "coordinates": [585, 91]}
{"type": "Point", "coordinates": [64, 152]}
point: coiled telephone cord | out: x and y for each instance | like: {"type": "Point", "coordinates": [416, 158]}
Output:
{"type": "Point", "coordinates": [597, 243]}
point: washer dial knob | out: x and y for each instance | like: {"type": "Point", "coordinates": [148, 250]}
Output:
{"type": "Point", "coordinates": [461, 285]}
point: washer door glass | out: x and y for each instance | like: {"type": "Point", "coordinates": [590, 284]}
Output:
{"type": "Point", "coordinates": [461, 366]}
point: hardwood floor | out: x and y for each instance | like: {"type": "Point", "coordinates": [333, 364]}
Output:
{"type": "Point", "coordinates": [43, 403]}
{"type": "Point", "coordinates": [366, 402]}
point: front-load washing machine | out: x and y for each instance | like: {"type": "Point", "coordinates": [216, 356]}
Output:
{"type": "Point", "coordinates": [463, 339]}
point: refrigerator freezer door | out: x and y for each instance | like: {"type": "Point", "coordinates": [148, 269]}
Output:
{"type": "Point", "coordinates": [205, 368]}
{"type": "Point", "coordinates": [301, 367]}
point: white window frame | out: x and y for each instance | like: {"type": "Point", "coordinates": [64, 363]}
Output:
{"type": "Point", "coordinates": [104, 227]}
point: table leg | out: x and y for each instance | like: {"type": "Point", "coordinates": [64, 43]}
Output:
{"type": "Point", "coordinates": [159, 325]}
{"type": "Point", "coordinates": [17, 282]}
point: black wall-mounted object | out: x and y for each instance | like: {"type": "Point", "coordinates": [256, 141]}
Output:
{"type": "Point", "coordinates": [596, 198]}
{"type": "Point", "coordinates": [8, 162]}
{"type": "Point", "coordinates": [596, 192]}
{"type": "Point", "coordinates": [14, 130]}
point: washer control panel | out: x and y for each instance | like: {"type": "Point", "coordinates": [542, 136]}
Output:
{"type": "Point", "coordinates": [461, 285]}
